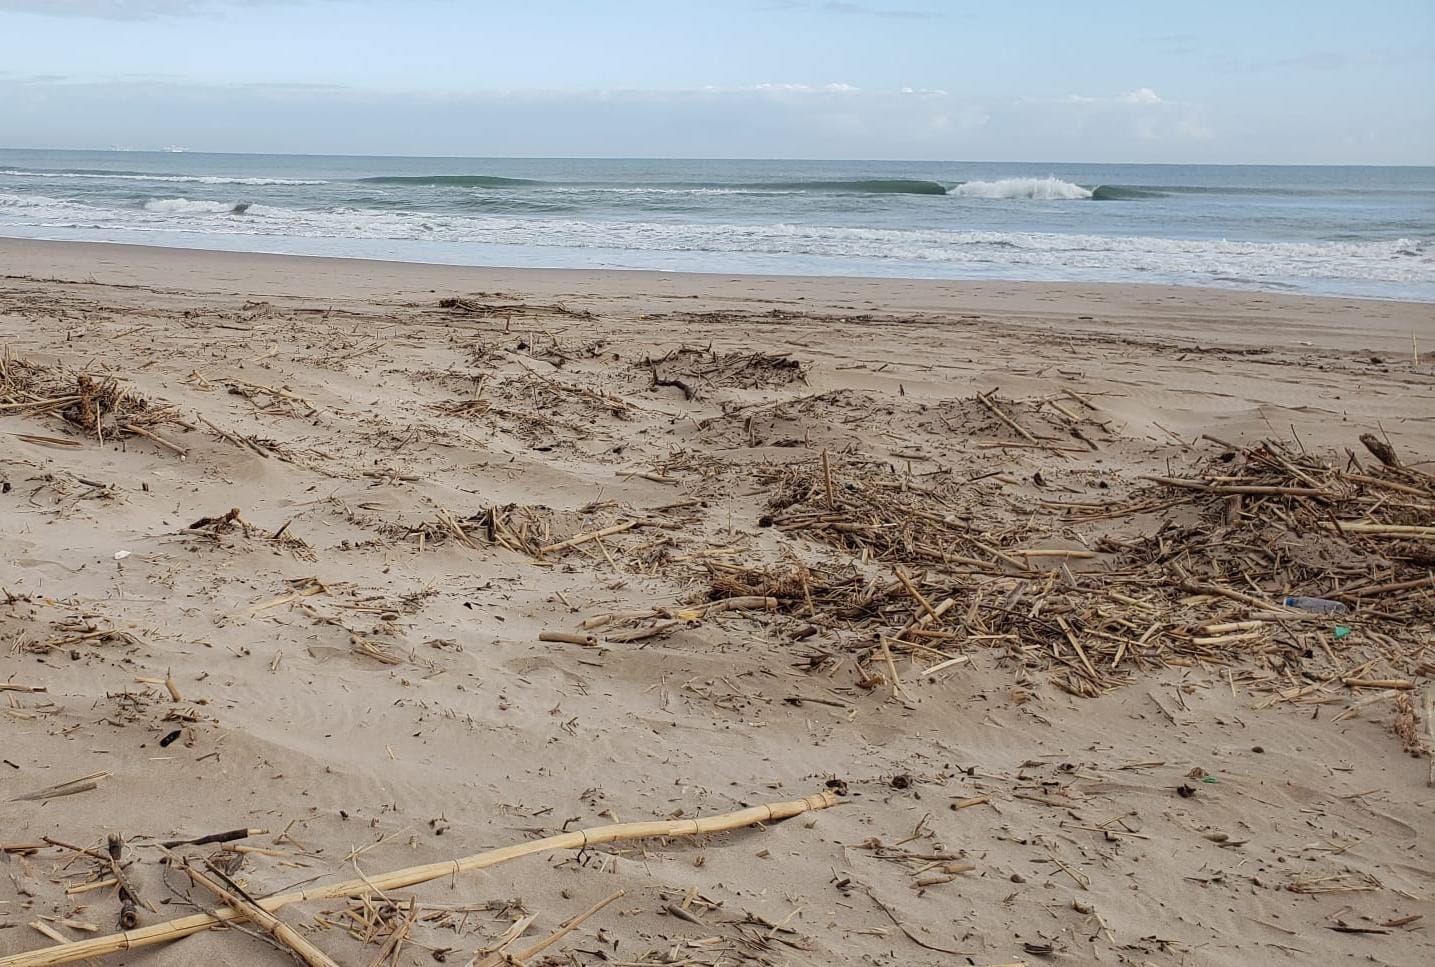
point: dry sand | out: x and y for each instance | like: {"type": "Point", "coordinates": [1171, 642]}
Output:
{"type": "Point", "coordinates": [370, 687]}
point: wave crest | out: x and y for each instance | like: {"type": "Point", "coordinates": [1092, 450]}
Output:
{"type": "Point", "coordinates": [146, 176]}
{"type": "Point", "coordinates": [1038, 189]}
{"type": "Point", "coordinates": [187, 206]}
{"type": "Point", "coordinates": [450, 181]}
{"type": "Point", "coordinates": [865, 186]}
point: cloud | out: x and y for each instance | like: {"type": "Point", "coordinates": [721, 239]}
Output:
{"type": "Point", "coordinates": [1142, 95]}
{"type": "Point", "coordinates": [772, 120]}
{"type": "Point", "coordinates": [765, 120]}
{"type": "Point", "coordinates": [836, 88]}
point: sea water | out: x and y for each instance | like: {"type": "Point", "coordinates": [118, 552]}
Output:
{"type": "Point", "coordinates": [1361, 231]}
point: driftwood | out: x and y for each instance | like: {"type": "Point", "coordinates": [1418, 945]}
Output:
{"type": "Point", "coordinates": [399, 879]}
{"type": "Point", "coordinates": [1382, 451]}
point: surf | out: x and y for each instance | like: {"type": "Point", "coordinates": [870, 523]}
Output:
{"type": "Point", "coordinates": [100, 174]}
{"type": "Point", "coordinates": [188, 206]}
{"type": "Point", "coordinates": [1049, 188]}
{"type": "Point", "coordinates": [449, 181]}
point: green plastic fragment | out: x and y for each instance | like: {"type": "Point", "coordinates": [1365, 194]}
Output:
{"type": "Point", "coordinates": [1341, 631]}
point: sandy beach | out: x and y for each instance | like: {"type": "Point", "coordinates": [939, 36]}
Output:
{"type": "Point", "coordinates": [398, 563]}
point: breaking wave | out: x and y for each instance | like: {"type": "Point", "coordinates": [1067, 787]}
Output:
{"type": "Point", "coordinates": [93, 173]}
{"type": "Point", "coordinates": [450, 181]}
{"type": "Point", "coordinates": [873, 186]}
{"type": "Point", "coordinates": [186, 206]}
{"type": "Point", "coordinates": [1037, 189]}
{"type": "Point", "coordinates": [1404, 261]}
{"type": "Point", "coordinates": [865, 186]}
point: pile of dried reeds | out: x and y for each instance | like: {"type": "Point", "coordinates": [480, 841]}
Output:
{"type": "Point", "coordinates": [99, 406]}
{"type": "Point", "coordinates": [693, 370]}
{"type": "Point", "coordinates": [1069, 587]}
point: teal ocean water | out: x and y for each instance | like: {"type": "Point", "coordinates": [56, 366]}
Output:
{"type": "Point", "coordinates": [1332, 230]}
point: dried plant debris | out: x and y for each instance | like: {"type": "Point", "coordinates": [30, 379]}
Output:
{"type": "Point", "coordinates": [99, 406]}
{"type": "Point", "coordinates": [695, 370]}
{"type": "Point", "coordinates": [1203, 574]}
{"type": "Point", "coordinates": [483, 310]}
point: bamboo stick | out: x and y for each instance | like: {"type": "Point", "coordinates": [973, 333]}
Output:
{"type": "Point", "coordinates": [590, 536]}
{"type": "Point", "coordinates": [1372, 589]}
{"type": "Point", "coordinates": [411, 876]}
{"type": "Point", "coordinates": [567, 637]}
{"type": "Point", "coordinates": [1219, 488]}
{"type": "Point", "coordinates": [997, 412]}
{"type": "Point", "coordinates": [1386, 530]}
{"type": "Point", "coordinates": [262, 918]}
{"type": "Point", "coordinates": [742, 603]}
{"type": "Point", "coordinates": [566, 928]}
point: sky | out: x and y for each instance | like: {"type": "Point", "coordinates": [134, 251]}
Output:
{"type": "Point", "coordinates": [1270, 82]}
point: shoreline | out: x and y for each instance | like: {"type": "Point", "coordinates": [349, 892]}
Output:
{"type": "Point", "coordinates": [392, 562]}
{"type": "Point", "coordinates": [1383, 323]}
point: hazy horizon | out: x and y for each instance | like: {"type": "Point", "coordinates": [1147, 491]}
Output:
{"type": "Point", "coordinates": [1076, 162]}
{"type": "Point", "coordinates": [1282, 84]}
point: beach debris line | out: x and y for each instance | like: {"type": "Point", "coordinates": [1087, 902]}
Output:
{"type": "Point", "coordinates": [1261, 557]}
{"type": "Point", "coordinates": [491, 309]}
{"type": "Point", "coordinates": [378, 884]}
{"type": "Point", "coordinates": [98, 406]}
{"type": "Point", "coordinates": [695, 369]}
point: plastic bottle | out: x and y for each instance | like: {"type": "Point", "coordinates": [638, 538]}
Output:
{"type": "Point", "coordinates": [1316, 605]}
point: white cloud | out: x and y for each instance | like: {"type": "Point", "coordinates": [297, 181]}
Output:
{"type": "Point", "coordinates": [835, 88]}
{"type": "Point", "coordinates": [1142, 95]}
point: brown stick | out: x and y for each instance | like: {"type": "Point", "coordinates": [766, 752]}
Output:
{"type": "Point", "coordinates": [1257, 489]}
{"type": "Point", "coordinates": [743, 603]}
{"type": "Point", "coordinates": [1379, 530]}
{"type": "Point", "coordinates": [997, 411]}
{"type": "Point", "coordinates": [1355, 593]}
{"type": "Point", "coordinates": [262, 918]}
{"type": "Point", "coordinates": [568, 927]}
{"type": "Point", "coordinates": [228, 836]}
{"type": "Point", "coordinates": [129, 918]}
{"type": "Point", "coordinates": [1383, 451]}
{"type": "Point", "coordinates": [1195, 587]}
{"type": "Point", "coordinates": [82, 784]}
{"type": "Point", "coordinates": [917, 595]}
{"type": "Point", "coordinates": [1402, 684]}
{"type": "Point", "coordinates": [589, 536]}
{"type": "Point", "coordinates": [400, 879]}
{"type": "Point", "coordinates": [568, 637]}
{"type": "Point", "coordinates": [141, 431]}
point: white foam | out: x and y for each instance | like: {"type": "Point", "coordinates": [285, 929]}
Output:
{"type": "Point", "coordinates": [1328, 265]}
{"type": "Point", "coordinates": [180, 179]}
{"type": "Point", "coordinates": [643, 190]}
{"type": "Point", "coordinates": [1038, 189]}
{"type": "Point", "coordinates": [170, 206]}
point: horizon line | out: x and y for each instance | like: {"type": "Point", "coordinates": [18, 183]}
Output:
{"type": "Point", "coordinates": [635, 157]}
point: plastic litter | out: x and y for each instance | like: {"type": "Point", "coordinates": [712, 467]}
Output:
{"type": "Point", "coordinates": [1316, 605]}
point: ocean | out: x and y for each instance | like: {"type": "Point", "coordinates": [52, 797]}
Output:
{"type": "Point", "coordinates": [1355, 231]}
